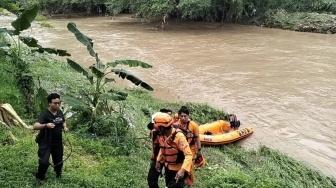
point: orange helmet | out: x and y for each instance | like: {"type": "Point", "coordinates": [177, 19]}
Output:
{"type": "Point", "coordinates": [200, 161]}
{"type": "Point", "coordinates": [163, 119]}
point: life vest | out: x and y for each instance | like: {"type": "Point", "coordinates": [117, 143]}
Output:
{"type": "Point", "coordinates": [155, 144]}
{"type": "Point", "coordinates": [189, 134]}
{"type": "Point", "coordinates": [169, 150]}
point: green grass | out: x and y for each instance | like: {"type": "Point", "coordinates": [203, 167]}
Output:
{"type": "Point", "coordinates": [320, 6]}
{"type": "Point", "coordinates": [46, 24]}
{"type": "Point", "coordinates": [9, 93]}
{"type": "Point", "coordinates": [298, 21]}
{"type": "Point", "coordinates": [4, 12]}
{"type": "Point", "coordinates": [40, 18]}
{"type": "Point", "coordinates": [43, 21]}
{"type": "Point", "coordinates": [111, 163]}
{"type": "Point", "coordinates": [95, 163]}
{"type": "Point", "coordinates": [54, 75]}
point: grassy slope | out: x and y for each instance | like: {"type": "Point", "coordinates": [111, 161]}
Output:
{"type": "Point", "coordinates": [108, 163]}
{"type": "Point", "coordinates": [7, 80]}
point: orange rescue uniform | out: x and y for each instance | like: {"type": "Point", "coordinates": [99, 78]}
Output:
{"type": "Point", "coordinates": [175, 152]}
{"type": "Point", "coordinates": [192, 139]}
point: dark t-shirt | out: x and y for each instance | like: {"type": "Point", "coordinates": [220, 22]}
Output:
{"type": "Point", "coordinates": [55, 134]}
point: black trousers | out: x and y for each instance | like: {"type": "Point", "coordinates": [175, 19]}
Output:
{"type": "Point", "coordinates": [153, 175]}
{"type": "Point", "coordinates": [44, 152]}
{"type": "Point", "coordinates": [171, 181]}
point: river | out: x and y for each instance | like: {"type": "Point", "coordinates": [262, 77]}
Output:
{"type": "Point", "coordinates": [280, 82]}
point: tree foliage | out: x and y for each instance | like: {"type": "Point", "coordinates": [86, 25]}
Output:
{"type": "Point", "coordinates": [12, 45]}
{"type": "Point", "coordinates": [208, 10]}
{"type": "Point", "coordinates": [216, 10]}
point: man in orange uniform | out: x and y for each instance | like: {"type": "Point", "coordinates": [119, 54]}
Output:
{"type": "Point", "coordinates": [192, 133]}
{"type": "Point", "coordinates": [175, 118]}
{"type": "Point", "coordinates": [153, 175]}
{"type": "Point", "coordinates": [174, 152]}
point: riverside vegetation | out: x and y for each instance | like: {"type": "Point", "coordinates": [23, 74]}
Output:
{"type": "Point", "coordinates": [298, 15]}
{"type": "Point", "coordinates": [109, 162]}
{"type": "Point", "coordinates": [111, 148]}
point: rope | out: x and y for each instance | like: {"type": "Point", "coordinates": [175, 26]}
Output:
{"type": "Point", "coordinates": [108, 137]}
{"type": "Point", "coordinates": [68, 154]}
{"type": "Point", "coordinates": [87, 136]}
{"type": "Point", "coordinates": [48, 147]}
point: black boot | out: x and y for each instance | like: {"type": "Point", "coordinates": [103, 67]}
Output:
{"type": "Point", "coordinates": [39, 177]}
{"type": "Point", "coordinates": [58, 175]}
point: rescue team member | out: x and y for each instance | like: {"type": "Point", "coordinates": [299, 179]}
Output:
{"type": "Point", "coordinates": [192, 134]}
{"type": "Point", "coordinates": [153, 174]}
{"type": "Point", "coordinates": [150, 125]}
{"type": "Point", "coordinates": [175, 118]}
{"type": "Point", "coordinates": [50, 123]}
{"type": "Point", "coordinates": [174, 152]}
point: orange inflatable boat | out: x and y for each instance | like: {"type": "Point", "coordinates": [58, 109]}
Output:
{"type": "Point", "coordinates": [220, 132]}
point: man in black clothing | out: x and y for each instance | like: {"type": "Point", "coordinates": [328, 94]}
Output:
{"type": "Point", "coordinates": [50, 123]}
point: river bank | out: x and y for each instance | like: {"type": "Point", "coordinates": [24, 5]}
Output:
{"type": "Point", "coordinates": [106, 162]}
{"type": "Point", "coordinates": [279, 19]}
{"type": "Point", "coordinates": [297, 21]}
{"type": "Point", "coordinates": [278, 81]}
{"type": "Point", "coordinates": [145, 52]}
{"type": "Point", "coordinates": [316, 22]}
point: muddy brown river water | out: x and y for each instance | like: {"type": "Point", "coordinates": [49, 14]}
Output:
{"type": "Point", "coordinates": [280, 82]}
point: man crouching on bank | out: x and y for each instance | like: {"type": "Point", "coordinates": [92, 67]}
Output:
{"type": "Point", "coordinates": [174, 152]}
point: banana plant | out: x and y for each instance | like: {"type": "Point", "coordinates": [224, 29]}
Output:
{"type": "Point", "coordinates": [23, 22]}
{"type": "Point", "coordinates": [97, 101]}
{"type": "Point", "coordinates": [12, 45]}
